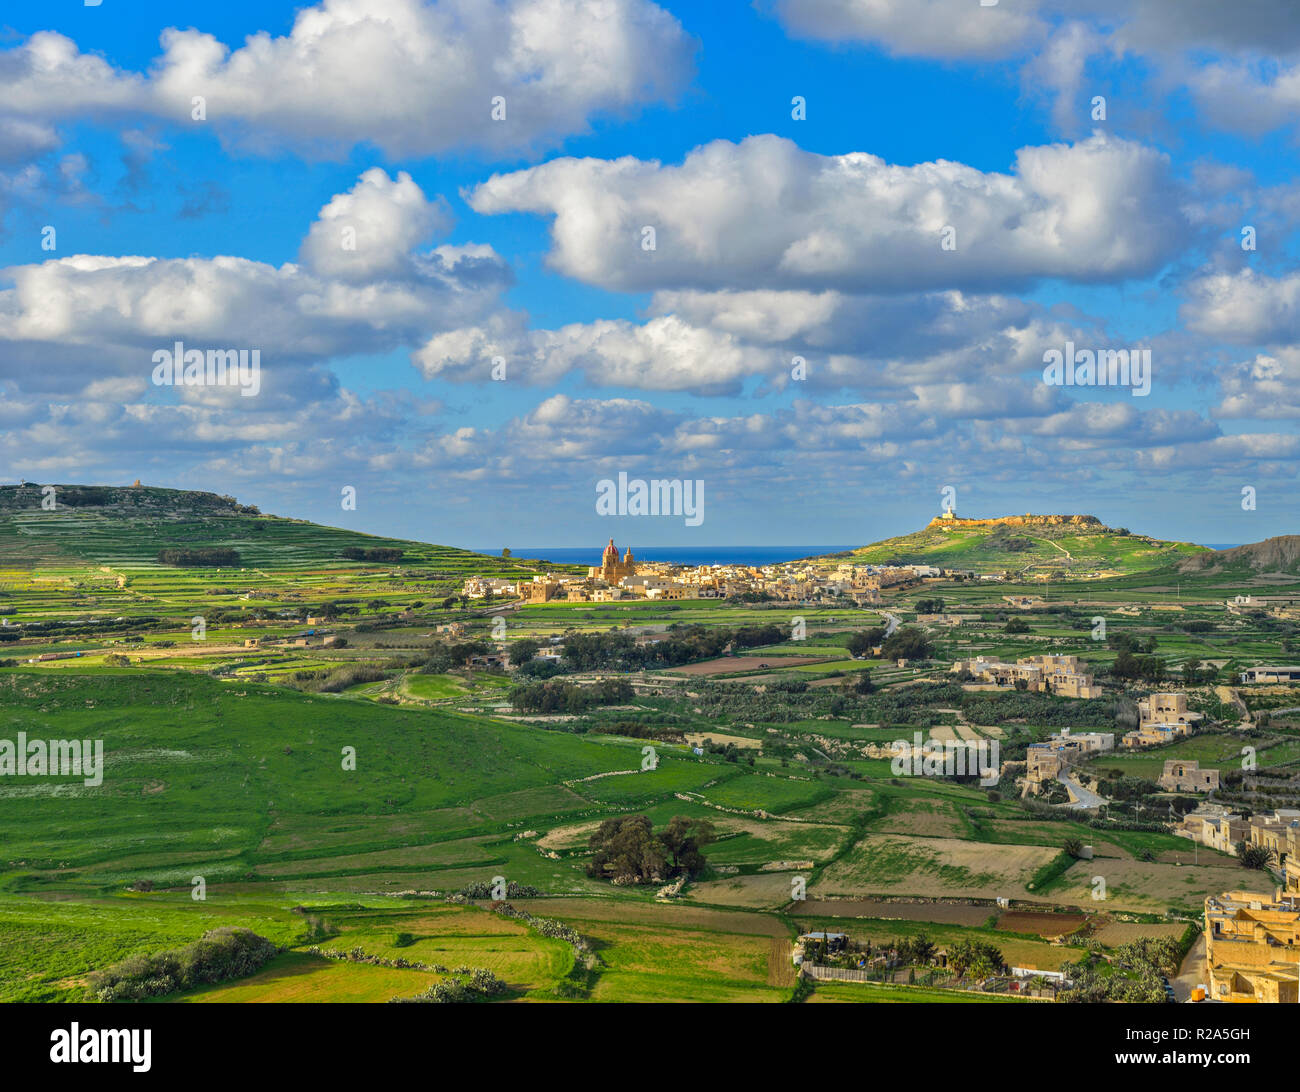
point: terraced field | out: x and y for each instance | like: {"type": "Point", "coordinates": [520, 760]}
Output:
{"type": "Point", "coordinates": [343, 796]}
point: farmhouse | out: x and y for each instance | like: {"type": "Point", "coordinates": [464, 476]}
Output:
{"type": "Point", "coordinates": [1279, 832]}
{"type": "Point", "coordinates": [541, 589]}
{"type": "Point", "coordinates": [1271, 675]}
{"type": "Point", "coordinates": [1086, 742]}
{"type": "Point", "coordinates": [1188, 776]}
{"type": "Point", "coordinates": [809, 943]}
{"type": "Point", "coordinates": [1061, 675]}
{"type": "Point", "coordinates": [1161, 718]}
{"type": "Point", "coordinates": [1043, 763]}
{"type": "Point", "coordinates": [477, 587]}
{"type": "Point", "coordinates": [1214, 826]}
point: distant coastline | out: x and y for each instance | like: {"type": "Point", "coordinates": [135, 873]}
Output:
{"type": "Point", "coordinates": [678, 555]}
{"type": "Point", "coordinates": [700, 555]}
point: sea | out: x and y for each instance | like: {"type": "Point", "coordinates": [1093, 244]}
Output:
{"type": "Point", "coordinates": [676, 555]}
{"type": "Point", "coordinates": [698, 555]}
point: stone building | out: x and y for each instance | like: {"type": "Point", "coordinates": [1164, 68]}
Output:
{"type": "Point", "coordinates": [1162, 718]}
{"type": "Point", "coordinates": [1065, 676]}
{"type": "Point", "coordinates": [1252, 947]}
{"type": "Point", "coordinates": [611, 569]}
{"type": "Point", "coordinates": [1187, 776]}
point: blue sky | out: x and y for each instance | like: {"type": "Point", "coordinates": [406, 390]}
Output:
{"type": "Point", "coordinates": [777, 238]}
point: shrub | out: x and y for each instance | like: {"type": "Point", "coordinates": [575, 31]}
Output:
{"type": "Point", "coordinates": [217, 956]}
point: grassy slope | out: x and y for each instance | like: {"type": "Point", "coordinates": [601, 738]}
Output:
{"type": "Point", "coordinates": [97, 561]}
{"type": "Point", "coordinates": [1061, 548]}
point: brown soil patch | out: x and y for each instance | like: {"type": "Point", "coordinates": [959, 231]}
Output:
{"type": "Point", "coordinates": [725, 665]}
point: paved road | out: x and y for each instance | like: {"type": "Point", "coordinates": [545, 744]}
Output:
{"type": "Point", "coordinates": [1192, 973]}
{"type": "Point", "coordinates": [1082, 799]}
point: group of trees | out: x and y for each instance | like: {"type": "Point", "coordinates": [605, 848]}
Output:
{"type": "Point", "coordinates": [619, 651]}
{"type": "Point", "coordinates": [561, 696]}
{"type": "Point", "coordinates": [1138, 973]}
{"type": "Point", "coordinates": [445, 655]}
{"type": "Point", "coordinates": [627, 849]}
{"type": "Point", "coordinates": [375, 553]}
{"type": "Point", "coordinates": [858, 684]}
{"type": "Point", "coordinates": [1135, 660]}
{"type": "Point", "coordinates": [729, 751]}
{"type": "Point", "coordinates": [975, 958]}
{"type": "Point", "coordinates": [209, 556]}
{"type": "Point", "coordinates": [907, 643]}
{"type": "Point", "coordinates": [1128, 666]}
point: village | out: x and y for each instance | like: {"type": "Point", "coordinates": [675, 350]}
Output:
{"type": "Point", "coordinates": [624, 577]}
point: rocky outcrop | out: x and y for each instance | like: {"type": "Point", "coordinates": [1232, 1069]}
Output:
{"type": "Point", "coordinates": [1027, 520]}
{"type": "Point", "coordinates": [1274, 555]}
{"type": "Point", "coordinates": [125, 500]}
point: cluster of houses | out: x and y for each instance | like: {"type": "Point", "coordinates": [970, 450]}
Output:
{"type": "Point", "coordinates": [620, 577]}
{"type": "Point", "coordinates": [1217, 827]}
{"type": "Point", "coordinates": [1047, 761]}
{"type": "Point", "coordinates": [1252, 947]}
{"type": "Point", "coordinates": [1161, 718]}
{"type": "Point", "coordinates": [1064, 676]}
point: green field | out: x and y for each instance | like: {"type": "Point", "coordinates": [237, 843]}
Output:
{"type": "Point", "coordinates": [340, 795]}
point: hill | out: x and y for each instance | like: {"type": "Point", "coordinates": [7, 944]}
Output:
{"type": "Point", "coordinates": [95, 555]}
{"type": "Point", "coordinates": [1280, 554]}
{"type": "Point", "coordinates": [127, 526]}
{"type": "Point", "coordinates": [1028, 545]}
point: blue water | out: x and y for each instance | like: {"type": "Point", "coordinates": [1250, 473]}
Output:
{"type": "Point", "coordinates": [677, 555]}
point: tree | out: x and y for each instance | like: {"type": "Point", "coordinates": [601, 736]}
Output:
{"type": "Point", "coordinates": [1252, 856]}
{"type": "Point", "coordinates": [859, 683]}
{"type": "Point", "coordinates": [682, 840]}
{"type": "Point", "coordinates": [626, 851]}
{"type": "Point", "coordinates": [961, 955]}
{"type": "Point", "coordinates": [908, 643]}
{"type": "Point", "coordinates": [862, 642]}
{"type": "Point", "coordinates": [523, 650]}
{"type": "Point", "coordinates": [1016, 625]}
{"type": "Point", "coordinates": [505, 552]}
{"type": "Point", "coordinates": [1074, 847]}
